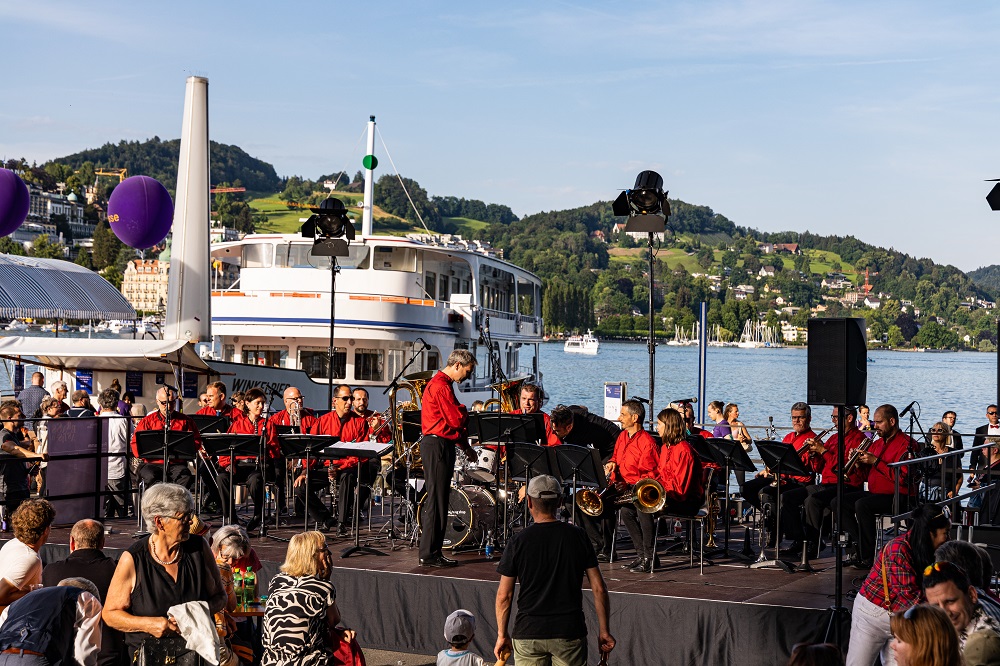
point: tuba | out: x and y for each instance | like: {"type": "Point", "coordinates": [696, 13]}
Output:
{"type": "Point", "coordinates": [509, 393]}
{"type": "Point", "coordinates": [414, 385]}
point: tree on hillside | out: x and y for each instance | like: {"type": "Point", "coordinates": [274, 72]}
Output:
{"type": "Point", "coordinates": [390, 197]}
{"type": "Point", "coordinates": [45, 248]}
{"type": "Point", "coordinates": [106, 246]}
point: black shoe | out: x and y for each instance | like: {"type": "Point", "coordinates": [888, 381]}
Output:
{"type": "Point", "coordinates": [634, 563]}
{"type": "Point", "coordinates": [603, 557]}
{"type": "Point", "coordinates": [794, 549]}
{"type": "Point", "coordinates": [253, 524]}
{"type": "Point", "coordinates": [439, 562]}
{"type": "Point", "coordinates": [329, 523]}
{"type": "Point", "coordinates": [644, 566]}
{"type": "Point", "coordinates": [342, 530]}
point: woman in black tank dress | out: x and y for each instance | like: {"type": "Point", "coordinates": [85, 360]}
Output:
{"type": "Point", "coordinates": [168, 567]}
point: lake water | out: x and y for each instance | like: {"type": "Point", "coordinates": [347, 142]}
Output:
{"type": "Point", "coordinates": [765, 382]}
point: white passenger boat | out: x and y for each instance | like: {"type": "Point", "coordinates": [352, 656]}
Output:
{"type": "Point", "coordinates": [582, 344]}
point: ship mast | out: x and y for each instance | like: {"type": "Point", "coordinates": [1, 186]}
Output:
{"type": "Point", "coordinates": [369, 164]}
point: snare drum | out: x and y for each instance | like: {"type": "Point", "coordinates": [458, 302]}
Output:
{"type": "Point", "coordinates": [471, 512]}
{"type": "Point", "coordinates": [484, 468]}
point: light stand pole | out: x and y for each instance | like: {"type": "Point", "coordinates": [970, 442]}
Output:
{"type": "Point", "coordinates": [651, 342]}
{"type": "Point", "coordinates": [334, 269]}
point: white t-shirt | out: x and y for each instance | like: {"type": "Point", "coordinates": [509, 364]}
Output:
{"type": "Point", "coordinates": [20, 564]}
{"type": "Point", "coordinates": [451, 657]}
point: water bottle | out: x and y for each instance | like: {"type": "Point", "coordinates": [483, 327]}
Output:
{"type": "Point", "coordinates": [250, 583]}
{"type": "Point", "coordinates": [238, 586]}
{"type": "Point", "coordinates": [489, 545]}
{"type": "Point", "coordinates": [678, 528]}
{"type": "Point", "coordinates": [377, 498]}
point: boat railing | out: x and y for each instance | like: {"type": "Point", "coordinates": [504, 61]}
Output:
{"type": "Point", "coordinates": [514, 322]}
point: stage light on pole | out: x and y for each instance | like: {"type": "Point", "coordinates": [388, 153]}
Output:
{"type": "Point", "coordinates": [647, 210]}
{"type": "Point", "coordinates": [993, 198]}
{"type": "Point", "coordinates": [329, 226]}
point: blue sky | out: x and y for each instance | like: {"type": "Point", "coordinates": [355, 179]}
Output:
{"type": "Point", "coordinates": [872, 119]}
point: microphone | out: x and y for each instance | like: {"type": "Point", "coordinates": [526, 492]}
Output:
{"type": "Point", "coordinates": [424, 342]}
{"type": "Point", "coordinates": [907, 409]}
{"type": "Point", "coordinates": [687, 400]}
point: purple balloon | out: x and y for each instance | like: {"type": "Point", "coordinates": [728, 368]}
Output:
{"type": "Point", "coordinates": [14, 202]}
{"type": "Point", "coordinates": [140, 212]}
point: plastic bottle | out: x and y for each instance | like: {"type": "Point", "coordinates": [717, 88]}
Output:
{"type": "Point", "coordinates": [678, 528]}
{"type": "Point", "coordinates": [377, 498]}
{"type": "Point", "coordinates": [489, 545]}
{"type": "Point", "coordinates": [250, 583]}
{"type": "Point", "coordinates": [238, 586]}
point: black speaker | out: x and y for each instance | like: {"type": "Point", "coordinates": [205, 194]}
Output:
{"type": "Point", "coordinates": [838, 362]}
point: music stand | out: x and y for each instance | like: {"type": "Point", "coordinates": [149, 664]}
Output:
{"type": "Point", "coordinates": [528, 460]}
{"type": "Point", "coordinates": [781, 459]}
{"type": "Point", "coordinates": [363, 452]}
{"type": "Point", "coordinates": [304, 446]}
{"type": "Point", "coordinates": [231, 444]}
{"type": "Point", "coordinates": [211, 424]}
{"type": "Point", "coordinates": [581, 463]}
{"type": "Point", "coordinates": [734, 458]}
{"type": "Point", "coordinates": [501, 428]}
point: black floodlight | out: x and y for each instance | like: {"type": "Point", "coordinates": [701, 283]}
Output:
{"type": "Point", "coordinates": [645, 204]}
{"type": "Point", "coordinates": [329, 225]}
{"type": "Point", "coordinates": [993, 198]}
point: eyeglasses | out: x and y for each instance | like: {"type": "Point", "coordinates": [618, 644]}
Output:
{"type": "Point", "coordinates": [936, 431]}
{"type": "Point", "coordinates": [184, 517]}
{"type": "Point", "coordinates": [161, 402]}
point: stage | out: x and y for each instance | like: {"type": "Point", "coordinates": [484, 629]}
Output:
{"type": "Point", "coordinates": [732, 614]}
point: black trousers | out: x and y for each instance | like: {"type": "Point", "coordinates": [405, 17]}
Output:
{"type": "Point", "coordinates": [759, 491]}
{"type": "Point", "coordinates": [860, 509]}
{"type": "Point", "coordinates": [439, 464]}
{"type": "Point", "coordinates": [642, 528]}
{"type": "Point", "coordinates": [244, 472]}
{"type": "Point", "coordinates": [600, 529]}
{"type": "Point", "coordinates": [318, 480]}
{"type": "Point", "coordinates": [152, 473]}
{"type": "Point", "coordinates": [347, 480]}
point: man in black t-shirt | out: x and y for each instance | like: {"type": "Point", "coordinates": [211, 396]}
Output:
{"type": "Point", "coordinates": [549, 560]}
{"type": "Point", "coordinates": [14, 473]}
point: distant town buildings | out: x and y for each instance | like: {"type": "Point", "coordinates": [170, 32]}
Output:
{"type": "Point", "coordinates": [144, 284]}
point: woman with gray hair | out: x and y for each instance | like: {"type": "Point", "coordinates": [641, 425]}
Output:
{"type": "Point", "coordinates": [169, 567]}
{"type": "Point", "coordinates": [50, 409]}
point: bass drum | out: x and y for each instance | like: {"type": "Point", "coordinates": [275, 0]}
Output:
{"type": "Point", "coordinates": [471, 511]}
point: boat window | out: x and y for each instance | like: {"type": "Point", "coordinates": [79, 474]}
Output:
{"type": "Point", "coordinates": [430, 280]}
{"type": "Point", "coordinates": [465, 287]}
{"type": "Point", "coordinates": [443, 288]}
{"type": "Point", "coordinates": [456, 286]}
{"type": "Point", "coordinates": [368, 364]}
{"type": "Point", "coordinates": [299, 255]}
{"type": "Point", "coordinates": [228, 353]}
{"type": "Point", "coordinates": [271, 356]}
{"type": "Point", "coordinates": [389, 258]}
{"type": "Point", "coordinates": [315, 362]}
{"type": "Point", "coordinates": [433, 361]}
{"type": "Point", "coordinates": [397, 359]}
{"type": "Point", "coordinates": [257, 255]}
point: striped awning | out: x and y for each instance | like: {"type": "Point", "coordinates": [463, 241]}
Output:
{"type": "Point", "coordinates": [56, 289]}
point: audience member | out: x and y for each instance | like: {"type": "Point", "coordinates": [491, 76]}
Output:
{"type": "Point", "coordinates": [549, 559]}
{"type": "Point", "coordinates": [947, 587]}
{"type": "Point", "coordinates": [970, 558]}
{"type": "Point", "coordinates": [904, 559]}
{"type": "Point", "coordinates": [53, 625]}
{"type": "Point", "coordinates": [301, 615]}
{"type": "Point", "coordinates": [15, 474]}
{"type": "Point", "coordinates": [59, 392]}
{"type": "Point", "coordinates": [924, 636]}
{"type": "Point", "coordinates": [459, 629]}
{"type": "Point", "coordinates": [816, 654]}
{"type": "Point", "coordinates": [81, 405]}
{"type": "Point", "coordinates": [49, 408]}
{"type": "Point", "coordinates": [119, 433]}
{"type": "Point", "coordinates": [168, 567]}
{"type": "Point", "coordinates": [20, 565]}
{"type": "Point", "coordinates": [31, 397]}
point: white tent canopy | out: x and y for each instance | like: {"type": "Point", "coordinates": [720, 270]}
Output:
{"type": "Point", "coordinates": [101, 354]}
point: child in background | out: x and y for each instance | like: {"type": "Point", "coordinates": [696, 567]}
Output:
{"type": "Point", "coordinates": [459, 629]}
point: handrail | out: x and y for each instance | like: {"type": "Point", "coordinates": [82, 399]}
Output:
{"type": "Point", "coordinates": [950, 500]}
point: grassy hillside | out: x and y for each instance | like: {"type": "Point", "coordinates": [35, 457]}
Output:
{"type": "Point", "coordinates": [284, 220]}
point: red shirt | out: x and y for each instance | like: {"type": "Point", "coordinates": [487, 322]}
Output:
{"type": "Point", "coordinates": [680, 472]}
{"type": "Point", "coordinates": [350, 429]}
{"type": "Point", "coordinates": [635, 455]}
{"type": "Point", "coordinates": [813, 462]}
{"type": "Point", "coordinates": [227, 411]}
{"type": "Point", "coordinates": [882, 478]}
{"type": "Point", "coordinates": [384, 433]}
{"type": "Point", "coordinates": [904, 588]}
{"type": "Point", "coordinates": [308, 422]}
{"type": "Point", "coordinates": [155, 421]}
{"type": "Point", "coordinates": [550, 438]}
{"type": "Point", "coordinates": [241, 425]}
{"type": "Point", "coordinates": [853, 439]}
{"type": "Point", "coordinates": [441, 413]}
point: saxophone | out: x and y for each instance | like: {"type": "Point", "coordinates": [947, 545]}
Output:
{"type": "Point", "coordinates": [853, 460]}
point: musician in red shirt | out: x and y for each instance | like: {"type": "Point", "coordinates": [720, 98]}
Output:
{"type": "Point", "coordinates": [531, 403]}
{"type": "Point", "coordinates": [246, 469]}
{"type": "Point", "coordinates": [636, 457]}
{"type": "Point", "coordinates": [679, 469]}
{"type": "Point", "coordinates": [821, 495]}
{"type": "Point", "coordinates": [215, 396]}
{"type": "Point", "coordinates": [293, 414]}
{"type": "Point", "coordinates": [759, 491]}
{"type": "Point", "coordinates": [151, 469]}
{"type": "Point", "coordinates": [444, 425]}
{"type": "Point", "coordinates": [860, 508]}
{"type": "Point", "coordinates": [346, 426]}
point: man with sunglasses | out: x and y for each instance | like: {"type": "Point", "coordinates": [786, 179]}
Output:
{"type": "Point", "coordinates": [151, 469]}
{"type": "Point", "coordinates": [347, 426]}
{"type": "Point", "coordinates": [948, 587]}
{"type": "Point", "coordinates": [978, 459]}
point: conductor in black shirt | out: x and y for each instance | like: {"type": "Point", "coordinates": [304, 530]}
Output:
{"type": "Point", "coordinates": [576, 425]}
{"type": "Point", "coordinates": [549, 559]}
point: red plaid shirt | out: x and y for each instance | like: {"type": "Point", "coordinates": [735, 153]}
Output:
{"type": "Point", "coordinates": [904, 586]}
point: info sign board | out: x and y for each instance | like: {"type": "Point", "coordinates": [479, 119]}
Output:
{"type": "Point", "coordinates": [614, 394]}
